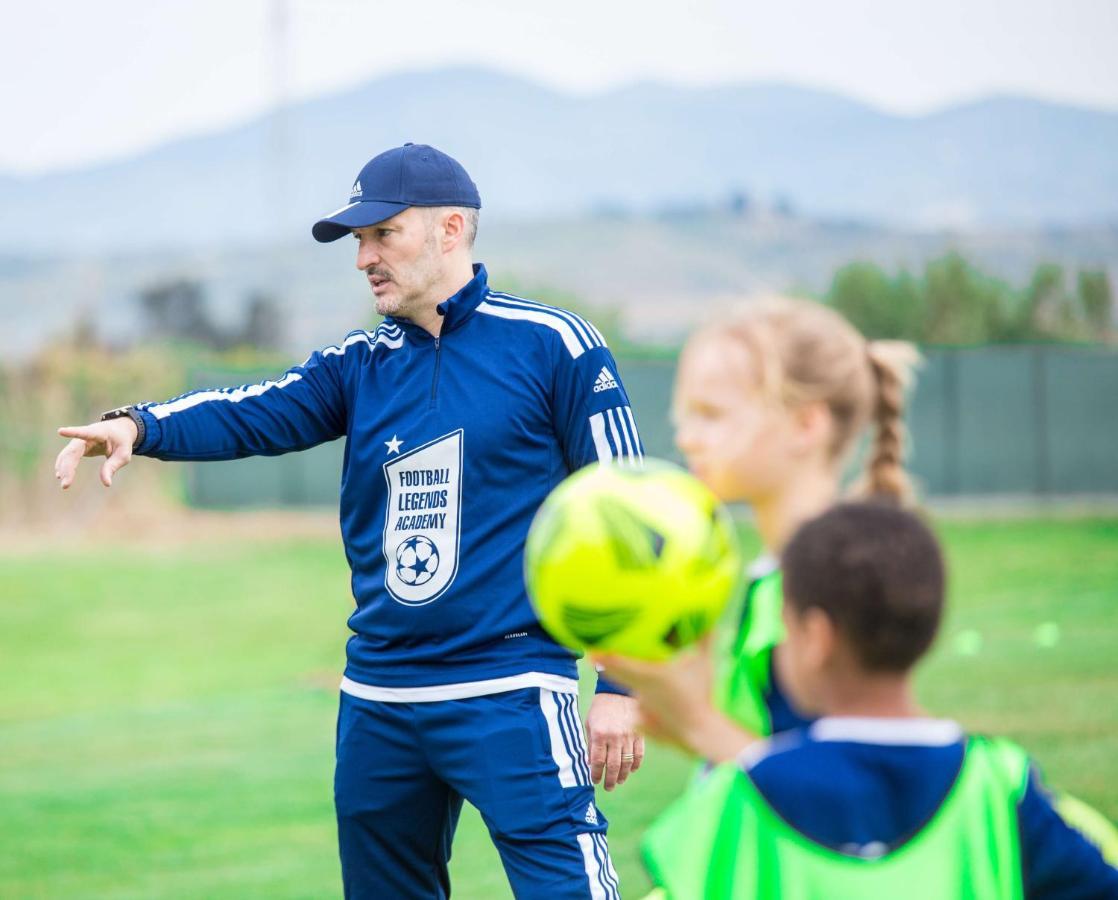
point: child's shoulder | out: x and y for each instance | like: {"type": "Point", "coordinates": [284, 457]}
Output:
{"type": "Point", "coordinates": [850, 757]}
{"type": "Point", "coordinates": [861, 736]}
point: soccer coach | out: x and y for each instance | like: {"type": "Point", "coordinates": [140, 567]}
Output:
{"type": "Point", "coordinates": [460, 411]}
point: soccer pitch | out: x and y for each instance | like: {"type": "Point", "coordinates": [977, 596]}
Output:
{"type": "Point", "coordinates": [167, 716]}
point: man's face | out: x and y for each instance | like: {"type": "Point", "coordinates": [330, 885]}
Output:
{"type": "Point", "coordinates": [401, 258]}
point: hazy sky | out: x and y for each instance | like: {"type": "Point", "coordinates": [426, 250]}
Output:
{"type": "Point", "coordinates": [82, 82]}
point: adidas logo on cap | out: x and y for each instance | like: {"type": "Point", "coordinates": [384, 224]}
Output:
{"type": "Point", "coordinates": [591, 815]}
{"type": "Point", "coordinates": [356, 189]}
{"type": "Point", "coordinates": [604, 382]}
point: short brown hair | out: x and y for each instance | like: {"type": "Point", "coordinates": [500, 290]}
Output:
{"type": "Point", "coordinates": [877, 572]}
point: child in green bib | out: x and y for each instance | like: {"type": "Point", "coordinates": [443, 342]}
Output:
{"type": "Point", "coordinates": [769, 404]}
{"type": "Point", "coordinates": [873, 799]}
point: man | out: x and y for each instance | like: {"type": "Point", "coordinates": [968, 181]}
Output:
{"type": "Point", "coordinates": [461, 411]}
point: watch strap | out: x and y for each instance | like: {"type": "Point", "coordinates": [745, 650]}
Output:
{"type": "Point", "coordinates": [132, 413]}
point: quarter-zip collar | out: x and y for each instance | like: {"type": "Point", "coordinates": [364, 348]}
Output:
{"type": "Point", "coordinates": [455, 309]}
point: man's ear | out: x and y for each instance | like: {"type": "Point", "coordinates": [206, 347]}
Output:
{"type": "Point", "coordinates": [454, 230]}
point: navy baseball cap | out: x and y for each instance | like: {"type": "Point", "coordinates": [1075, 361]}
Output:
{"type": "Point", "coordinates": [412, 175]}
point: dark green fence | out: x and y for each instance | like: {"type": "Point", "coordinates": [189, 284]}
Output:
{"type": "Point", "coordinates": [1038, 420]}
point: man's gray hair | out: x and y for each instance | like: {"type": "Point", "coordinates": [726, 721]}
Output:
{"type": "Point", "coordinates": [468, 213]}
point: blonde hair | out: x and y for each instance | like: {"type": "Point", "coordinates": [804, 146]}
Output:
{"type": "Point", "coordinates": [804, 352]}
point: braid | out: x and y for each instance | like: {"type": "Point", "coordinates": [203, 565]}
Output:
{"type": "Point", "coordinates": [891, 363]}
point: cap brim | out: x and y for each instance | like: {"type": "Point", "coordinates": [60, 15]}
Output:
{"type": "Point", "coordinates": [355, 215]}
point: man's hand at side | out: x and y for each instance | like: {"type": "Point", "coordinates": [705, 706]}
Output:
{"type": "Point", "coordinates": [675, 702]}
{"type": "Point", "coordinates": [113, 439]}
{"type": "Point", "coordinates": [616, 746]}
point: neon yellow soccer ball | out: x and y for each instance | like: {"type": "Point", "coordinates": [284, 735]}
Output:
{"type": "Point", "coordinates": [634, 561]}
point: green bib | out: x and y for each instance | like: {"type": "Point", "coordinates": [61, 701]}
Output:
{"type": "Point", "coordinates": [722, 841]}
{"type": "Point", "coordinates": [744, 651]}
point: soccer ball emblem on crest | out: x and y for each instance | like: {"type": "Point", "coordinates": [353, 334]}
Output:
{"type": "Point", "coordinates": [417, 560]}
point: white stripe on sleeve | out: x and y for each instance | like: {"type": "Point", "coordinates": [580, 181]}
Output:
{"type": "Point", "coordinates": [615, 436]}
{"type": "Point", "coordinates": [613, 432]}
{"type": "Point", "coordinates": [236, 395]}
{"type": "Point", "coordinates": [598, 430]}
{"type": "Point", "coordinates": [585, 330]}
{"type": "Point", "coordinates": [633, 431]}
{"type": "Point", "coordinates": [566, 332]}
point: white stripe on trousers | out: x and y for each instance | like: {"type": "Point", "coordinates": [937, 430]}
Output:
{"type": "Point", "coordinates": [552, 708]}
{"type": "Point", "coordinates": [611, 873]}
{"type": "Point", "coordinates": [602, 877]}
{"type": "Point", "coordinates": [564, 729]}
{"type": "Point", "coordinates": [578, 740]}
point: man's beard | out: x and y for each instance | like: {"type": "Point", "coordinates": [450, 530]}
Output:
{"type": "Point", "coordinates": [406, 301]}
{"type": "Point", "coordinates": [388, 306]}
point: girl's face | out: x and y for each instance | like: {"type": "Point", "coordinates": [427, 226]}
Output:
{"type": "Point", "coordinates": [740, 443]}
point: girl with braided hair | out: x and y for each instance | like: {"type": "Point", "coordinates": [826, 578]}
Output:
{"type": "Point", "coordinates": [771, 402]}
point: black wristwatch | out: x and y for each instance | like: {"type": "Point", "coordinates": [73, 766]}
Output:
{"type": "Point", "coordinates": [134, 415]}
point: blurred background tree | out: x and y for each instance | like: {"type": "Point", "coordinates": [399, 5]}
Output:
{"type": "Point", "coordinates": [953, 302]}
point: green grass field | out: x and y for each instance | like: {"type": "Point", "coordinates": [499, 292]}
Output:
{"type": "Point", "coordinates": [167, 717]}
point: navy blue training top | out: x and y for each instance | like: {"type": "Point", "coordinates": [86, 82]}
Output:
{"type": "Point", "coordinates": [864, 786]}
{"type": "Point", "coordinates": [452, 443]}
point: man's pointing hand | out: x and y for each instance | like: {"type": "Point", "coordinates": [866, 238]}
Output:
{"type": "Point", "coordinates": [113, 439]}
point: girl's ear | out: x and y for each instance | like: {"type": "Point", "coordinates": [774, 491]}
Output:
{"type": "Point", "coordinates": [813, 428]}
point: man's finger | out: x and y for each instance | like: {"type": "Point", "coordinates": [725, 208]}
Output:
{"type": "Point", "coordinates": [109, 467]}
{"type": "Point", "coordinates": [67, 461]}
{"type": "Point", "coordinates": [638, 752]}
{"type": "Point", "coordinates": [62, 460]}
{"type": "Point", "coordinates": [85, 432]}
{"type": "Point", "coordinates": [613, 764]}
{"type": "Point", "coordinates": [597, 758]}
{"type": "Point", "coordinates": [627, 758]}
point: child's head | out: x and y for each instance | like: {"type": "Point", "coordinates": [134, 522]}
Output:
{"type": "Point", "coordinates": [786, 384]}
{"type": "Point", "coordinates": [863, 597]}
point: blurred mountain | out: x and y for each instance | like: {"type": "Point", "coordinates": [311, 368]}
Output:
{"type": "Point", "coordinates": [653, 277]}
{"type": "Point", "coordinates": [539, 154]}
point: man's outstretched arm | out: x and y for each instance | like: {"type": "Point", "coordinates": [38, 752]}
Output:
{"type": "Point", "coordinates": [305, 407]}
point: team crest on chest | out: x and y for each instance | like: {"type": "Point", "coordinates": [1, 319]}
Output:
{"type": "Point", "coordinates": [422, 524]}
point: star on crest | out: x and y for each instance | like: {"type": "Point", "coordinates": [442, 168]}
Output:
{"type": "Point", "coordinates": [393, 445]}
